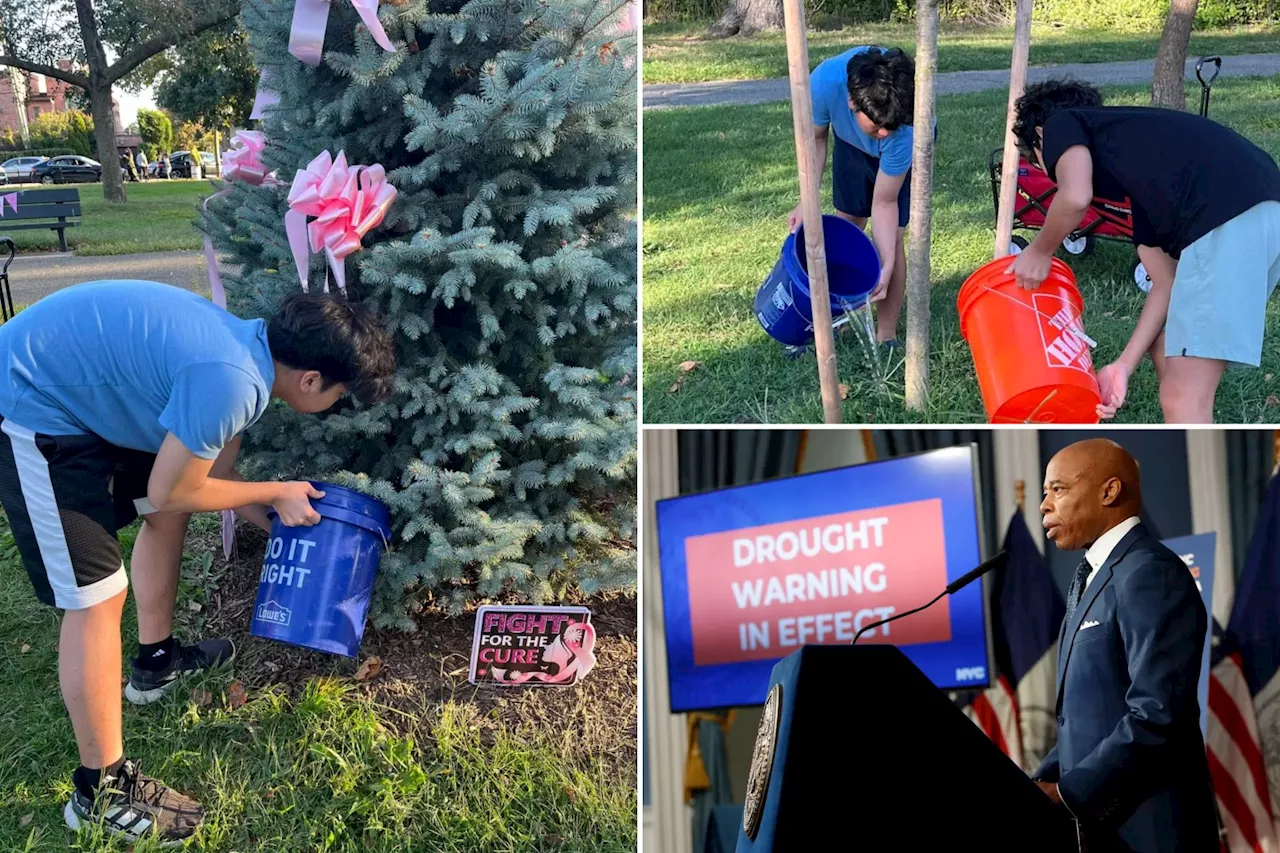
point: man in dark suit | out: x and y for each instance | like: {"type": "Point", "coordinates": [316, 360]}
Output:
{"type": "Point", "coordinates": [1130, 760]}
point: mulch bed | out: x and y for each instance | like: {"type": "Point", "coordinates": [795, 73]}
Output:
{"type": "Point", "coordinates": [428, 667]}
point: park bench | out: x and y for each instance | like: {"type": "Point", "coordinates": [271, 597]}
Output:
{"type": "Point", "coordinates": [43, 209]}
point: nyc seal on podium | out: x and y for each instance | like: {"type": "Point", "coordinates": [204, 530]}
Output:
{"type": "Point", "coordinates": [762, 762]}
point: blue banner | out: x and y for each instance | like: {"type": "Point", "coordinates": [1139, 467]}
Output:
{"type": "Point", "coordinates": [1197, 553]}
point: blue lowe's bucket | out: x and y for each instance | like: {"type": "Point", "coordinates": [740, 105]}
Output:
{"type": "Point", "coordinates": [783, 304]}
{"type": "Point", "coordinates": [316, 581]}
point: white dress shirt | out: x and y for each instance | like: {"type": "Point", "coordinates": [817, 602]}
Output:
{"type": "Point", "coordinates": [1100, 550]}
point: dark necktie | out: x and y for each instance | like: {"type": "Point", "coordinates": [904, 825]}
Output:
{"type": "Point", "coordinates": [1077, 587]}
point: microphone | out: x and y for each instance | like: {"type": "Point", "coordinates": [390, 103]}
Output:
{"type": "Point", "coordinates": [955, 586]}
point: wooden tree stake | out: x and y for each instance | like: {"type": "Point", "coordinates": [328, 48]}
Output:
{"type": "Point", "coordinates": [811, 208]}
{"type": "Point", "coordinates": [917, 367]}
{"type": "Point", "coordinates": [1009, 165]}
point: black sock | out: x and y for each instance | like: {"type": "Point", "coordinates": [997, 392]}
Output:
{"type": "Point", "coordinates": [155, 656]}
{"type": "Point", "coordinates": [87, 781]}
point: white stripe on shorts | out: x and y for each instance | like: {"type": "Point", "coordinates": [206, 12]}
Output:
{"type": "Point", "coordinates": [42, 509]}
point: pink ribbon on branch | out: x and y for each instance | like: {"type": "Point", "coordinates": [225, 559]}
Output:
{"type": "Point", "coordinates": [266, 96]}
{"type": "Point", "coordinates": [347, 203]}
{"type": "Point", "coordinates": [241, 162]}
{"type": "Point", "coordinates": [311, 17]}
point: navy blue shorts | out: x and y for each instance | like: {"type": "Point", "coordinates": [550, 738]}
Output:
{"type": "Point", "coordinates": [853, 182]}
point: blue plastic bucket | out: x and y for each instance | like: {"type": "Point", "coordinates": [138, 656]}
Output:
{"type": "Point", "coordinates": [316, 581]}
{"type": "Point", "coordinates": [783, 304]}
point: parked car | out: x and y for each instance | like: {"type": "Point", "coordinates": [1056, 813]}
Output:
{"type": "Point", "coordinates": [4, 178]}
{"type": "Point", "coordinates": [70, 169]}
{"type": "Point", "coordinates": [157, 169]}
{"type": "Point", "coordinates": [180, 164]}
{"type": "Point", "coordinates": [18, 169]}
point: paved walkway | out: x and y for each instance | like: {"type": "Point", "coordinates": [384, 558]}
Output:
{"type": "Point", "coordinates": [665, 96]}
{"type": "Point", "coordinates": [35, 275]}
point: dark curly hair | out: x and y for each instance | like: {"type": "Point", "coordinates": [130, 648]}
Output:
{"type": "Point", "coordinates": [1043, 101]}
{"type": "Point", "coordinates": [343, 341]}
{"type": "Point", "coordinates": [882, 84]}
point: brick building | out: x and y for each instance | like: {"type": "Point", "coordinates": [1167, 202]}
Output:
{"type": "Point", "coordinates": [25, 96]}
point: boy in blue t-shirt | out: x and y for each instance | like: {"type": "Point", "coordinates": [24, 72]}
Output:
{"type": "Point", "coordinates": [866, 95]}
{"type": "Point", "coordinates": [128, 398]}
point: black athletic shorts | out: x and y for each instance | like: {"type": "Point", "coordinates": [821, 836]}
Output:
{"type": "Point", "coordinates": [853, 182]}
{"type": "Point", "coordinates": [65, 497]}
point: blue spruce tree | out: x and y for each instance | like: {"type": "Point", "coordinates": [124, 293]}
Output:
{"type": "Point", "coordinates": [506, 268]}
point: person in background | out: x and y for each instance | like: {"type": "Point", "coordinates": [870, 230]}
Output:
{"type": "Point", "coordinates": [129, 398]}
{"type": "Point", "coordinates": [863, 107]}
{"type": "Point", "coordinates": [140, 160]}
{"type": "Point", "coordinates": [1206, 220]}
{"type": "Point", "coordinates": [1129, 763]}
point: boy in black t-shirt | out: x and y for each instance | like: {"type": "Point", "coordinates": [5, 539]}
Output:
{"type": "Point", "coordinates": [1206, 214]}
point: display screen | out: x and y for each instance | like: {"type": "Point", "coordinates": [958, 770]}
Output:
{"type": "Point", "coordinates": [752, 573]}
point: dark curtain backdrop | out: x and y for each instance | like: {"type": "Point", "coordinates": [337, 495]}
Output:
{"type": "Point", "coordinates": [1249, 462]}
{"type": "Point", "coordinates": [901, 442]}
{"type": "Point", "coordinates": [713, 459]}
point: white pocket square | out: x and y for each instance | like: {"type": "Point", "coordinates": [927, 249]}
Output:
{"type": "Point", "coordinates": [1089, 625]}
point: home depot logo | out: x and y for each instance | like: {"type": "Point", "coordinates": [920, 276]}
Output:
{"type": "Point", "coordinates": [273, 612]}
{"type": "Point", "coordinates": [1062, 333]}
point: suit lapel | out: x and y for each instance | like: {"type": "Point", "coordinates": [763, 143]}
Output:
{"type": "Point", "coordinates": [1100, 580]}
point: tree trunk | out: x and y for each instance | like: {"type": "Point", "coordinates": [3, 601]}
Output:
{"type": "Point", "coordinates": [917, 368]}
{"type": "Point", "coordinates": [104, 131]}
{"type": "Point", "coordinates": [748, 17]}
{"type": "Point", "coordinates": [104, 119]}
{"type": "Point", "coordinates": [1171, 56]}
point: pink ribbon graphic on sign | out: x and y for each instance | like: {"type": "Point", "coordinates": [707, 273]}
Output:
{"type": "Point", "coordinates": [347, 203]}
{"type": "Point", "coordinates": [10, 199]}
{"type": "Point", "coordinates": [311, 17]}
{"type": "Point", "coordinates": [572, 653]}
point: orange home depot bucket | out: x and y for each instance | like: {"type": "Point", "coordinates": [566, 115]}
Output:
{"type": "Point", "coordinates": [1030, 350]}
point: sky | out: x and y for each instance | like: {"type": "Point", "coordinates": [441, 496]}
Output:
{"type": "Point", "coordinates": [129, 103]}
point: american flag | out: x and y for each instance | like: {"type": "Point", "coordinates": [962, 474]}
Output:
{"type": "Point", "coordinates": [1244, 695]}
{"type": "Point", "coordinates": [1017, 710]}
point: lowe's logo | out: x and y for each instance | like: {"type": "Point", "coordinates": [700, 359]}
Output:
{"type": "Point", "coordinates": [271, 611]}
{"type": "Point", "coordinates": [971, 673]}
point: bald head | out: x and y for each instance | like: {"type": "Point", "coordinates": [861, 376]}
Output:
{"type": "Point", "coordinates": [1089, 487]}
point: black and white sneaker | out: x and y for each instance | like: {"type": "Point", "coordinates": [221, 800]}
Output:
{"type": "Point", "coordinates": [146, 686]}
{"type": "Point", "coordinates": [134, 806]}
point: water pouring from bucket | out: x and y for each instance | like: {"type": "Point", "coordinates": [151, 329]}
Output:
{"type": "Point", "coordinates": [1030, 350]}
{"type": "Point", "coordinates": [783, 305]}
{"type": "Point", "coordinates": [316, 581]}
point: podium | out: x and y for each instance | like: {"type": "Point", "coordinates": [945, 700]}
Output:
{"type": "Point", "coordinates": [858, 751]}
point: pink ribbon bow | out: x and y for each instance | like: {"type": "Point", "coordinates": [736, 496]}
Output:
{"type": "Point", "coordinates": [347, 203]}
{"type": "Point", "coordinates": [10, 199]}
{"type": "Point", "coordinates": [311, 17]}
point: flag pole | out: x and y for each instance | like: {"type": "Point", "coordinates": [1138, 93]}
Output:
{"type": "Point", "coordinates": [811, 208]}
{"type": "Point", "coordinates": [1009, 165]}
{"type": "Point", "coordinates": [1020, 494]}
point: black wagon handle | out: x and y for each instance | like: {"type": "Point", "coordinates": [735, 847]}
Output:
{"type": "Point", "coordinates": [5, 242]}
{"type": "Point", "coordinates": [1217, 63]}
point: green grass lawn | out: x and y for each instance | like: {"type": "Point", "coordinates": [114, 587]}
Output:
{"type": "Point", "coordinates": [159, 216]}
{"type": "Point", "coordinates": [718, 184]}
{"type": "Point", "coordinates": [680, 53]}
{"type": "Point", "coordinates": [321, 766]}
